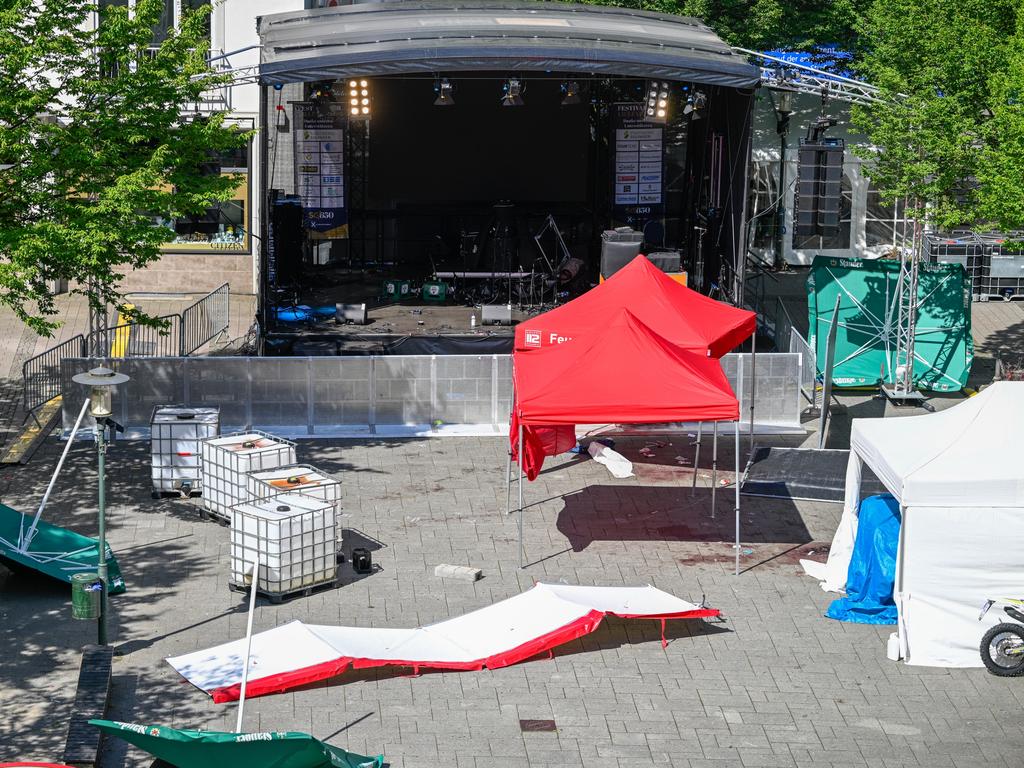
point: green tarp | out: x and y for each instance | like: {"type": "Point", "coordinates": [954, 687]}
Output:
{"type": "Point", "coordinates": [868, 313]}
{"type": "Point", "coordinates": [55, 552]}
{"type": "Point", "coordinates": [216, 749]}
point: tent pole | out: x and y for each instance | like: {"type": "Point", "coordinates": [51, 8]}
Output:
{"type": "Point", "coordinates": [736, 483]}
{"type": "Point", "coordinates": [26, 541]}
{"type": "Point", "coordinates": [753, 386]}
{"type": "Point", "coordinates": [248, 639]}
{"type": "Point", "coordinates": [508, 485]}
{"type": "Point", "coordinates": [714, 467]}
{"type": "Point", "coordinates": [522, 558]}
{"type": "Point", "coordinates": [696, 459]}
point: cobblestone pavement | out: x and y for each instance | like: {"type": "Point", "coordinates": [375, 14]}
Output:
{"type": "Point", "coordinates": [774, 684]}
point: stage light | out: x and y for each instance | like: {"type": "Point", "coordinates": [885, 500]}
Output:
{"type": "Point", "coordinates": [695, 104]}
{"type": "Point", "coordinates": [359, 98]}
{"type": "Point", "coordinates": [512, 93]}
{"type": "Point", "coordinates": [443, 89]}
{"type": "Point", "coordinates": [570, 92]}
{"type": "Point", "coordinates": [657, 104]}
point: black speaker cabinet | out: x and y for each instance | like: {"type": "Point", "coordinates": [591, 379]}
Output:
{"type": "Point", "coordinates": [287, 228]}
{"type": "Point", "coordinates": [819, 187]}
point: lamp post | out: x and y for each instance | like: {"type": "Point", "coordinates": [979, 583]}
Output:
{"type": "Point", "coordinates": [101, 383]}
{"type": "Point", "coordinates": [783, 109]}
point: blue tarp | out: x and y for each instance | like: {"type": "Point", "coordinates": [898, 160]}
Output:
{"type": "Point", "coordinates": [872, 572]}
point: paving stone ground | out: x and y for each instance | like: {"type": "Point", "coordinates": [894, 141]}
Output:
{"type": "Point", "coordinates": [774, 684]}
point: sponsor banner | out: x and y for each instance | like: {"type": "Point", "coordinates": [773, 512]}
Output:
{"type": "Point", "coordinates": [638, 165]}
{"type": "Point", "coordinates": [319, 131]}
{"type": "Point", "coordinates": [639, 134]}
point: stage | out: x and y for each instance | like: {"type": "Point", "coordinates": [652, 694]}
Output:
{"type": "Point", "coordinates": [433, 178]}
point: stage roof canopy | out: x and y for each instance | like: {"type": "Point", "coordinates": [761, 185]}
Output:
{"type": "Point", "coordinates": [448, 36]}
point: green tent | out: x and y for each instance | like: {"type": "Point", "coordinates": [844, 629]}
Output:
{"type": "Point", "coordinates": [216, 749]}
{"type": "Point", "coordinates": [868, 313]}
{"type": "Point", "coordinates": [53, 551]}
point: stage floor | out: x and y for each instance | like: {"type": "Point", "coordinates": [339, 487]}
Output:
{"type": "Point", "coordinates": [324, 287]}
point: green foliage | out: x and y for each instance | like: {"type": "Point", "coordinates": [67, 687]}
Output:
{"type": "Point", "coordinates": [765, 24]}
{"type": "Point", "coordinates": [1000, 174]}
{"type": "Point", "coordinates": [944, 70]}
{"type": "Point", "coordinates": [92, 144]}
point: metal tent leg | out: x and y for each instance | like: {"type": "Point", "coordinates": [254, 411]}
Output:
{"type": "Point", "coordinates": [753, 387]}
{"type": "Point", "coordinates": [508, 485]}
{"type": "Point", "coordinates": [736, 484]}
{"type": "Point", "coordinates": [696, 458]}
{"type": "Point", "coordinates": [714, 467]}
{"type": "Point", "coordinates": [522, 556]}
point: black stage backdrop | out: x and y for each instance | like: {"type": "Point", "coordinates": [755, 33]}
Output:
{"type": "Point", "coordinates": [476, 151]}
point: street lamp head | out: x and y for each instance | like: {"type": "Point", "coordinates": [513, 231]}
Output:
{"type": "Point", "coordinates": [101, 383]}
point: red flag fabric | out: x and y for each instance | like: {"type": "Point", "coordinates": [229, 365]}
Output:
{"type": "Point", "coordinates": [682, 316]}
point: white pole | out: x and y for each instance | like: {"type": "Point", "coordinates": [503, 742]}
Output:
{"type": "Point", "coordinates": [26, 540]}
{"type": "Point", "coordinates": [753, 387]}
{"type": "Point", "coordinates": [736, 483]}
{"type": "Point", "coordinates": [522, 556]}
{"type": "Point", "coordinates": [714, 467]}
{"type": "Point", "coordinates": [248, 640]}
{"type": "Point", "coordinates": [696, 459]}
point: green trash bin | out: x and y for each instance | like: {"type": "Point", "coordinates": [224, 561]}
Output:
{"type": "Point", "coordinates": [86, 589]}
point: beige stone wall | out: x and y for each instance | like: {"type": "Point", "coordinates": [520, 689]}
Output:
{"type": "Point", "coordinates": [194, 273]}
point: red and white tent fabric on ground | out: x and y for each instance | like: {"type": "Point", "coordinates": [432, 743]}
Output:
{"type": "Point", "coordinates": [681, 315]}
{"type": "Point", "coordinates": [505, 633]}
{"type": "Point", "coordinates": [626, 374]}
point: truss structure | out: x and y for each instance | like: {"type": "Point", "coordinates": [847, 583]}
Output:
{"type": "Point", "coordinates": [782, 75]}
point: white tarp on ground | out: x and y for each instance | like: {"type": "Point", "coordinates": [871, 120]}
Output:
{"type": "Point", "coordinates": [505, 633]}
{"type": "Point", "coordinates": [959, 477]}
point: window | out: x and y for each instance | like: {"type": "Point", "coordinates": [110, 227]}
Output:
{"type": "Point", "coordinates": [764, 193]}
{"type": "Point", "coordinates": [194, 5]}
{"type": "Point", "coordinates": [885, 223]}
{"type": "Point", "coordinates": [839, 240]}
{"type": "Point", "coordinates": [224, 227]}
{"type": "Point", "coordinates": [221, 228]}
{"type": "Point", "coordinates": [165, 23]}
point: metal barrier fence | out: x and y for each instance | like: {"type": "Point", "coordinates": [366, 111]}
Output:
{"type": "Point", "coordinates": [205, 319]}
{"type": "Point", "coordinates": [197, 325]}
{"type": "Point", "coordinates": [394, 395]}
{"type": "Point", "coordinates": [40, 375]}
{"type": "Point", "coordinates": [809, 368]}
{"type": "Point", "coordinates": [136, 340]}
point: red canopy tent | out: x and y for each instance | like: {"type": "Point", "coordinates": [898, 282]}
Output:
{"type": "Point", "coordinates": [683, 316]}
{"type": "Point", "coordinates": [627, 373]}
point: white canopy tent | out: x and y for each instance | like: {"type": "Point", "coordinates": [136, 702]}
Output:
{"type": "Point", "coordinates": [958, 476]}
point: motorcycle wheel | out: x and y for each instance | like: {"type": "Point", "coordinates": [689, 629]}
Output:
{"type": "Point", "coordinates": [994, 646]}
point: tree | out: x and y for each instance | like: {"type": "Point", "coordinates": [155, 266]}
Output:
{"type": "Point", "coordinates": [93, 144]}
{"type": "Point", "coordinates": [765, 24]}
{"type": "Point", "coordinates": [942, 67]}
{"type": "Point", "coordinates": [1000, 174]}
